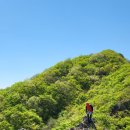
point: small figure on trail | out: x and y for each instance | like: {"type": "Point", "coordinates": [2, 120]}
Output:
{"type": "Point", "coordinates": [89, 111]}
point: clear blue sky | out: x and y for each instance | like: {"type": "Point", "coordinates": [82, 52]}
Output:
{"type": "Point", "coordinates": [36, 34]}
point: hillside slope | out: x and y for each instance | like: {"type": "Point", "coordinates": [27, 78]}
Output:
{"type": "Point", "coordinates": [55, 99]}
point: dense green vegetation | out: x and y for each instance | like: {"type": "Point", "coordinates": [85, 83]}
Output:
{"type": "Point", "coordinates": [55, 99]}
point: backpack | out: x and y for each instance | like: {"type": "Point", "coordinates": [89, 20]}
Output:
{"type": "Point", "coordinates": [91, 107]}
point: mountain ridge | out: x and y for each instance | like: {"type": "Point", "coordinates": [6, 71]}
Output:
{"type": "Point", "coordinates": [55, 98]}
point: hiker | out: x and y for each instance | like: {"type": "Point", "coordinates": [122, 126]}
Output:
{"type": "Point", "coordinates": [89, 111]}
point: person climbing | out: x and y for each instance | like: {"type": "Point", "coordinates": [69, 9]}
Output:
{"type": "Point", "coordinates": [89, 111]}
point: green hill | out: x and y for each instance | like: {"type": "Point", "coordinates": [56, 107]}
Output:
{"type": "Point", "coordinates": [55, 99]}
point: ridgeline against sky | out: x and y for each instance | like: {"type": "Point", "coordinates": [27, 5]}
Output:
{"type": "Point", "coordinates": [35, 35]}
{"type": "Point", "coordinates": [55, 98]}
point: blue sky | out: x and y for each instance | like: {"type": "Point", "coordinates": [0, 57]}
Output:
{"type": "Point", "coordinates": [36, 34]}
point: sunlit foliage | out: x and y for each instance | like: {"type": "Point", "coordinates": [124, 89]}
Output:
{"type": "Point", "coordinates": [55, 99]}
